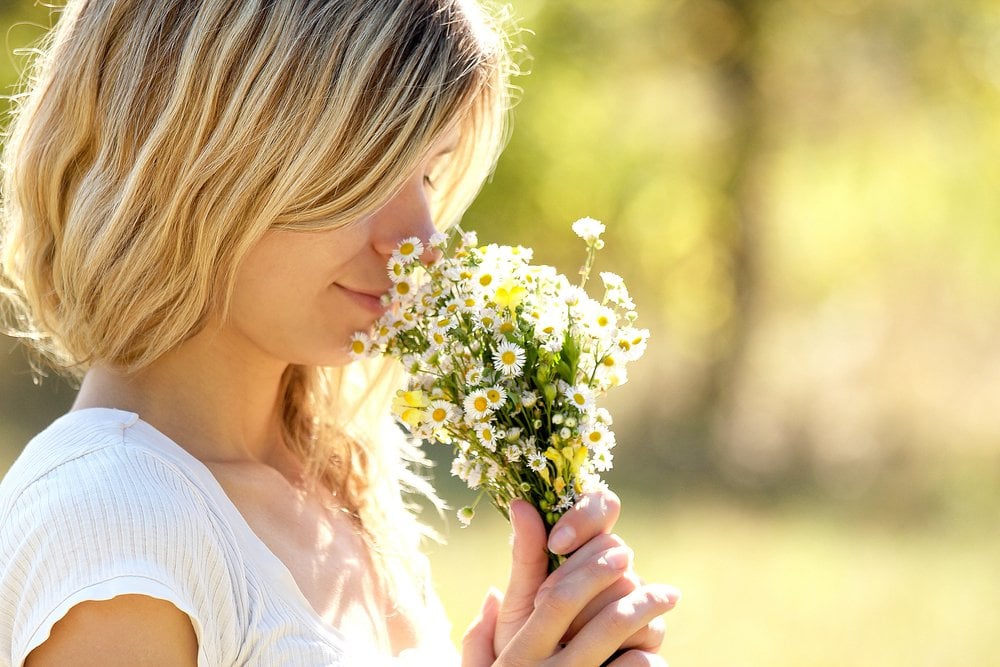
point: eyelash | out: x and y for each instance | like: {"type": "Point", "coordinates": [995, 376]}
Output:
{"type": "Point", "coordinates": [429, 182]}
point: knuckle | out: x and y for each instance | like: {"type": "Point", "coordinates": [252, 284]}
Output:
{"type": "Point", "coordinates": [620, 621]}
{"type": "Point", "coordinates": [556, 599]}
{"type": "Point", "coordinates": [616, 540]}
{"type": "Point", "coordinates": [623, 586]}
{"type": "Point", "coordinates": [511, 611]}
{"type": "Point", "coordinates": [596, 567]}
{"type": "Point", "coordinates": [606, 541]}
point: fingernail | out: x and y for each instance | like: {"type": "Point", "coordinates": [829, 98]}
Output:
{"type": "Point", "coordinates": [512, 511]}
{"type": "Point", "coordinates": [617, 558]}
{"type": "Point", "coordinates": [561, 539]}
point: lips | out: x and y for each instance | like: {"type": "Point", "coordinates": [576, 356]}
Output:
{"type": "Point", "coordinates": [369, 300]}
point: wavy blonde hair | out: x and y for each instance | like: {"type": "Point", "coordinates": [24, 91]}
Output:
{"type": "Point", "coordinates": [155, 141]}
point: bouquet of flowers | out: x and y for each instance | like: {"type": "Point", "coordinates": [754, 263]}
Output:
{"type": "Point", "coordinates": [506, 363]}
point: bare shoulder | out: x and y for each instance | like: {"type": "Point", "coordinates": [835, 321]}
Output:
{"type": "Point", "coordinates": [125, 630]}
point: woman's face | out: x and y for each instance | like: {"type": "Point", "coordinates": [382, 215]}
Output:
{"type": "Point", "coordinates": [300, 295]}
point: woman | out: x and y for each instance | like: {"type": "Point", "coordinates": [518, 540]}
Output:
{"type": "Point", "coordinates": [200, 199]}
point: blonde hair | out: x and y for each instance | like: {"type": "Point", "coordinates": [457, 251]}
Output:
{"type": "Point", "coordinates": [157, 141]}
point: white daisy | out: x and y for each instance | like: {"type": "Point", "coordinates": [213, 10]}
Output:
{"type": "Point", "coordinates": [598, 436]}
{"type": "Point", "coordinates": [487, 436]}
{"type": "Point", "coordinates": [566, 502]}
{"type": "Point", "coordinates": [588, 229]}
{"type": "Point", "coordinates": [402, 288]}
{"type": "Point", "coordinates": [384, 330]}
{"type": "Point", "coordinates": [476, 405]}
{"type": "Point", "coordinates": [579, 396]}
{"type": "Point", "coordinates": [360, 346]}
{"type": "Point", "coordinates": [509, 359]}
{"type": "Point", "coordinates": [632, 342]}
{"type": "Point", "coordinates": [409, 250]}
{"type": "Point", "coordinates": [603, 320]}
{"type": "Point", "coordinates": [474, 375]}
{"type": "Point", "coordinates": [602, 459]}
{"type": "Point", "coordinates": [495, 397]}
{"type": "Point", "coordinates": [536, 462]}
{"type": "Point", "coordinates": [396, 269]}
{"type": "Point", "coordinates": [437, 337]}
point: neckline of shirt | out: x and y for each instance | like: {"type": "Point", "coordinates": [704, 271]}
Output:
{"type": "Point", "coordinates": [265, 560]}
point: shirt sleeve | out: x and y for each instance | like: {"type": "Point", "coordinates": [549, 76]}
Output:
{"type": "Point", "coordinates": [116, 521]}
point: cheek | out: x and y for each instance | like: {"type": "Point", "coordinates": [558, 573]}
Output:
{"type": "Point", "coordinates": [291, 322]}
{"type": "Point", "coordinates": [284, 302]}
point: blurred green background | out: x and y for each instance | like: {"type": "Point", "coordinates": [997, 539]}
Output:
{"type": "Point", "coordinates": [802, 196]}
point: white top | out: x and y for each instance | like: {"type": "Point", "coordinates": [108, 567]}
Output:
{"type": "Point", "coordinates": [102, 504]}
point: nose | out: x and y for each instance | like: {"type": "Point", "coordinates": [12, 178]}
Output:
{"type": "Point", "coordinates": [406, 214]}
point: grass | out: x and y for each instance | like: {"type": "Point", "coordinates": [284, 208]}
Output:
{"type": "Point", "coordinates": [785, 588]}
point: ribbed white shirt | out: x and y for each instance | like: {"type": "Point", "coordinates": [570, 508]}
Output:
{"type": "Point", "coordinates": [102, 504]}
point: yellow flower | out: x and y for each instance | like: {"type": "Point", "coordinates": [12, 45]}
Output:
{"type": "Point", "coordinates": [510, 295]}
{"type": "Point", "coordinates": [409, 406]}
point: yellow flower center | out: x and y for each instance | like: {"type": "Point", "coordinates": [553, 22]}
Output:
{"type": "Point", "coordinates": [439, 414]}
{"type": "Point", "coordinates": [402, 288]}
{"type": "Point", "coordinates": [508, 357]}
{"type": "Point", "coordinates": [493, 395]}
{"type": "Point", "coordinates": [485, 279]}
{"type": "Point", "coordinates": [506, 327]}
{"type": "Point", "coordinates": [357, 347]}
{"type": "Point", "coordinates": [609, 361]}
{"type": "Point", "coordinates": [406, 249]}
{"type": "Point", "coordinates": [480, 403]}
{"type": "Point", "coordinates": [595, 436]}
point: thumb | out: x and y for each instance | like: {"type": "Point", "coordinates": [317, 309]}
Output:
{"type": "Point", "coordinates": [529, 567]}
{"type": "Point", "coordinates": [477, 644]}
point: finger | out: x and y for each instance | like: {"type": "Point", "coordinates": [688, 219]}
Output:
{"type": "Point", "coordinates": [477, 643]}
{"type": "Point", "coordinates": [594, 514]}
{"type": "Point", "coordinates": [649, 638]}
{"type": "Point", "coordinates": [529, 566]}
{"type": "Point", "coordinates": [636, 658]}
{"type": "Point", "coordinates": [583, 556]}
{"type": "Point", "coordinates": [618, 622]}
{"type": "Point", "coordinates": [556, 606]}
{"type": "Point", "coordinates": [622, 587]}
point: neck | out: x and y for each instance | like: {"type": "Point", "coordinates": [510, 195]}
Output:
{"type": "Point", "coordinates": [216, 398]}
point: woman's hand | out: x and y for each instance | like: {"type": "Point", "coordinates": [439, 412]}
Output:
{"type": "Point", "coordinates": [581, 614]}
